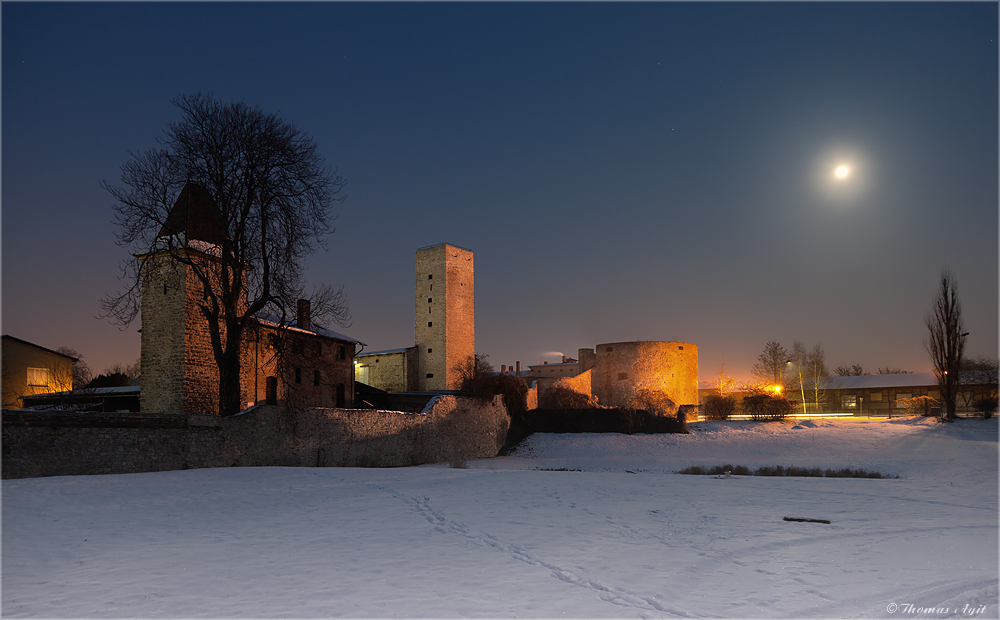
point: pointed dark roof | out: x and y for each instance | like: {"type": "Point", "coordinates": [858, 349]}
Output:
{"type": "Point", "coordinates": [195, 214]}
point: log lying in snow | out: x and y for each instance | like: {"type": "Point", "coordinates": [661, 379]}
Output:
{"type": "Point", "coordinates": [806, 520]}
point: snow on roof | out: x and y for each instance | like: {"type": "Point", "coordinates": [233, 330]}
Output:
{"type": "Point", "coordinates": [383, 352]}
{"type": "Point", "coordinates": [274, 321]}
{"type": "Point", "coordinates": [861, 382]}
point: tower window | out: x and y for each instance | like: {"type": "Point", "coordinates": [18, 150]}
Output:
{"type": "Point", "coordinates": [430, 350]}
{"type": "Point", "coordinates": [429, 300]}
{"type": "Point", "coordinates": [622, 375]}
{"type": "Point", "coordinates": [430, 276]}
{"type": "Point", "coordinates": [430, 375]}
{"type": "Point", "coordinates": [298, 375]}
{"type": "Point", "coordinates": [315, 377]}
{"type": "Point", "coordinates": [430, 323]}
{"type": "Point", "coordinates": [341, 353]}
{"type": "Point", "coordinates": [680, 348]}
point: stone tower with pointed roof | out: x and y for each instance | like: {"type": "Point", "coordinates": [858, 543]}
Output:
{"type": "Point", "coordinates": [179, 373]}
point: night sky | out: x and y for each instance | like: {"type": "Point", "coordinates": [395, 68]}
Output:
{"type": "Point", "coordinates": [621, 171]}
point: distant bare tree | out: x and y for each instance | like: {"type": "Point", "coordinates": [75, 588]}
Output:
{"type": "Point", "coordinates": [132, 371]}
{"type": "Point", "coordinates": [983, 371]}
{"type": "Point", "coordinates": [855, 370]}
{"type": "Point", "coordinates": [81, 371]}
{"type": "Point", "coordinates": [892, 371]}
{"type": "Point", "coordinates": [722, 382]}
{"type": "Point", "coordinates": [799, 375]}
{"type": "Point", "coordinates": [273, 194]}
{"type": "Point", "coordinates": [771, 365]}
{"type": "Point", "coordinates": [818, 375]}
{"type": "Point", "coordinates": [981, 375]}
{"type": "Point", "coordinates": [474, 374]}
{"type": "Point", "coordinates": [946, 341]}
{"type": "Point", "coordinates": [810, 376]}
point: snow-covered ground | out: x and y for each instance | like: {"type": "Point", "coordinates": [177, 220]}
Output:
{"type": "Point", "coordinates": [515, 537]}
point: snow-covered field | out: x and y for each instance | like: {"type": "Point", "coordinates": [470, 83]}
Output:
{"type": "Point", "coordinates": [514, 537]}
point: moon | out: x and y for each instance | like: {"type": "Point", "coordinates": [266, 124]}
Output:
{"type": "Point", "coordinates": [841, 172]}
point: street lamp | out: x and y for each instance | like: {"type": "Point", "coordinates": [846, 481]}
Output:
{"type": "Point", "coordinates": [802, 388]}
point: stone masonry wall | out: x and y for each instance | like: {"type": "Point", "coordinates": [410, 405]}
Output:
{"type": "Point", "coordinates": [162, 356]}
{"type": "Point", "coordinates": [624, 368]}
{"type": "Point", "coordinates": [580, 384]}
{"type": "Point", "coordinates": [52, 444]}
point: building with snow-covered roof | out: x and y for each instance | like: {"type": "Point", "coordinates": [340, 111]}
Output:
{"type": "Point", "coordinates": [880, 395]}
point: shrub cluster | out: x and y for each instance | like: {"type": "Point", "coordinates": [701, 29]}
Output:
{"type": "Point", "coordinates": [986, 406]}
{"type": "Point", "coordinates": [654, 402]}
{"type": "Point", "coordinates": [764, 406]}
{"type": "Point", "coordinates": [478, 380]}
{"type": "Point", "coordinates": [719, 407]}
{"type": "Point", "coordinates": [781, 470]}
{"type": "Point", "coordinates": [593, 420]}
{"type": "Point", "coordinates": [562, 397]}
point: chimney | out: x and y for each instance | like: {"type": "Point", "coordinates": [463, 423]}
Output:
{"type": "Point", "coordinates": [304, 318]}
{"type": "Point", "coordinates": [518, 369]}
{"type": "Point", "coordinates": [564, 359]}
{"type": "Point", "coordinates": [503, 369]}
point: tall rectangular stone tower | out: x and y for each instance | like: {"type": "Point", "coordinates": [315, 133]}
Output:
{"type": "Point", "coordinates": [445, 315]}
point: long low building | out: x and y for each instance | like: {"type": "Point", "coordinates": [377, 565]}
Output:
{"type": "Point", "coordinates": [880, 395]}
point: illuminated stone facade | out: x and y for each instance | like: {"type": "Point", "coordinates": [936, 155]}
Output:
{"type": "Point", "coordinates": [621, 369]}
{"type": "Point", "coordinates": [444, 314]}
{"type": "Point", "coordinates": [444, 327]}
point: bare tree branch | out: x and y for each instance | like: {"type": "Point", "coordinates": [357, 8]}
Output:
{"type": "Point", "coordinates": [273, 193]}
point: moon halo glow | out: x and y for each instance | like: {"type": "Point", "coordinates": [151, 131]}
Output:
{"type": "Point", "coordinates": [841, 172]}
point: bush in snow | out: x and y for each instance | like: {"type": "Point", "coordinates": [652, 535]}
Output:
{"type": "Point", "coordinates": [719, 407]}
{"type": "Point", "coordinates": [986, 406]}
{"type": "Point", "coordinates": [764, 406]}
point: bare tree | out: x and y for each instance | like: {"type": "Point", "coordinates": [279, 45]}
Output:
{"type": "Point", "coordinates": [946, 341]}
{"type": "Point", "coordinates": [474, 374]}
{"type": "Point", "coordinates": [131, 371]}
{"type": "Point", "coordinates": [981, 376]}
{"type": "Point", "coordinates": [771, 365]}
{"type": "Point", "coordinates": [817, 374]}
{"type": "Point", "coordinates": [271, 194]}
{"type": "Point", "coordinates": [809, 374]}
{"type": "Point", "coordinates": [81, 370]}
{"type": "Point", "coordinates": [983, 373]}
{"type": "Point", "coordinates": [722, 382]}
{"type": "Point", "coordinates": [855, 370]}
{"type": "Point", "coordinates": [799, 374]}
{"type": "Point", "coordinates": [891, 371]}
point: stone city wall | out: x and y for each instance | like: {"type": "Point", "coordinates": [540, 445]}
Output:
{"type": "Point", "coordinates": [68, 443]}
